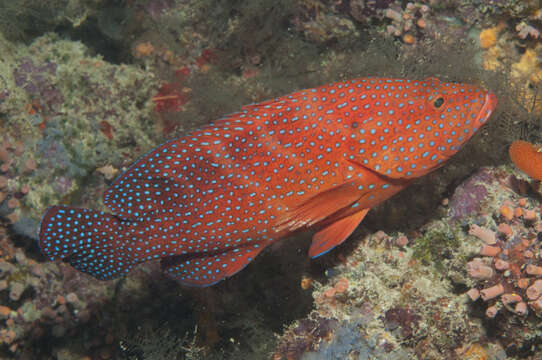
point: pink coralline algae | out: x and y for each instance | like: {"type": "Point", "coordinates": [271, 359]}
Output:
{"type": "Point", "coordinates": [467, 198]}
{"type": "Point", "coordinates": [364, 11]}
{"type": "Point", "coordinates": [35, 80]}
{"type": "Point", "coordinates": [12, 164]}
{"type": "Point", "coordinates": [156, 8]}
{"type": "Point", "coordinates": [408, 22]}
{"type": "Point", "coordinates": [305, 336]}
{"type": "Point", "coordinates": [509, 263]}
{"type": "Point", "coordinates": [48, 302]}
{"type": "Point", "coordinates": [403, 318]}
{"type": "Point", "coordinates": [525, 30]}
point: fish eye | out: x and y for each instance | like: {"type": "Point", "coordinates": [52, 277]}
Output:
{"type": "Point", "coordinates": [438, 103]}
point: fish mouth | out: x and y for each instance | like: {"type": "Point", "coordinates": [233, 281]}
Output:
{"type": "Point", "coordinates": [490, 103]}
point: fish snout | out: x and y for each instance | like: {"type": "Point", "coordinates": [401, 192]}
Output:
{"type": "Point", "coordinates": [490, 103]}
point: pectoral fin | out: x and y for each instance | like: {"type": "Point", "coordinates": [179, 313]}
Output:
{"type": "Point", "coordinates": [319, 207]}
{"type": "Point", "coordinates": [335, 233]}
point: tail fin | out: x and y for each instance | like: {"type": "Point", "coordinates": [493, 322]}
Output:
{"type": "Point", "coordinates": [91, 241]}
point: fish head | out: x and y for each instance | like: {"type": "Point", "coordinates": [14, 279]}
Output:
{"type": "Point", "coordinates": [460, 105]}
{"type": "Point", "coordinates": [422, 126]}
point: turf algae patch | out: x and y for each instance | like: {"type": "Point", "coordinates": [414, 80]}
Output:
{"type": "Point", "coordinates": [54, 115]}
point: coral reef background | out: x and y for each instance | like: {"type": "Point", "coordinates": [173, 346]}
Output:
{"type": "Point", "coordinates": [449, 269]}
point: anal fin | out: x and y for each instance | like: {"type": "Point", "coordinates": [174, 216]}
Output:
{"type": "Point", "coordinates": [208, 269]}
{"type": "Point", "coordinates": [335, 233]}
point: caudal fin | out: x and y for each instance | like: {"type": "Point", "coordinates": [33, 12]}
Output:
{"type": "Point", "coordinates": [91, 241]}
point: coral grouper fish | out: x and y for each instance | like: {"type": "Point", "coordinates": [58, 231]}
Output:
{"type": "Point", "coordinates": [209, 202]}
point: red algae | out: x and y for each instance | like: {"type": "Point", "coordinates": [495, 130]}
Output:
{"type": "Point", "coordinates": [169, 98]}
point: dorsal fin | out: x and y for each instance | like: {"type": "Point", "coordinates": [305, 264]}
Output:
{"type": "Point", "coordinates": [147, 185]}
{"type": "Point", "coordinates": [246, 112]}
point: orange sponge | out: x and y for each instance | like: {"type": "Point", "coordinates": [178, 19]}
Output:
{"type": "Point", "coordinates": [527, 157]}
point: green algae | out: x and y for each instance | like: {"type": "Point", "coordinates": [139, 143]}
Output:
{"type": "Point", "coordinates": [27, 19]}
{"type": "Point", "coordinates": [77, 96]}
{"type": "Point", "coordinates": [289, 54]}
{"type": "Point", "coordinates": [383, 280]}
{"type": "Point", "coordinates": [434, 246]}
{"type": "Point", "coordinates": [29, 312]}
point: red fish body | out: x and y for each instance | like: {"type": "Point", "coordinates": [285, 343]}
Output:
{"type": "Point", "coordinates": [209, 202]}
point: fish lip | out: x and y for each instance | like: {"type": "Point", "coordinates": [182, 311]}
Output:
{"type": "Point", "coordinates": [490, 102]}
